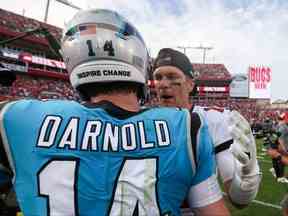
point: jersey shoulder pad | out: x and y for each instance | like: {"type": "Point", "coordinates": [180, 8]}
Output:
{"type": "Point", "coordinates": [213, 114]}
{"type": "Point", "coordinates": [4, 103]}
{"type": "Point", "coordinates": [214, 108]}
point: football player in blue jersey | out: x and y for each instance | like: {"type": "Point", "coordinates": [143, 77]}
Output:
{"type": "Point", "coordinates": [107, 156]}
{"type": "Point", "coordinates": [237, 165]}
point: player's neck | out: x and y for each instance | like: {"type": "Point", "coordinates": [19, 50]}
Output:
{"type": "Point", "coordinates": [186, 103]}
{"type": "Point", "coordinates": [189, 106]}
{"type": "Point", "coordinates": [125, 101]}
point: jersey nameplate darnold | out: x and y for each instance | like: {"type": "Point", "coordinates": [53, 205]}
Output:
{"type": "Point", "coordinates": [127, 137]}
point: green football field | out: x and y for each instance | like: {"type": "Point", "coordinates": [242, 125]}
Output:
{"type": "Point", "coordinates": [267, 202]}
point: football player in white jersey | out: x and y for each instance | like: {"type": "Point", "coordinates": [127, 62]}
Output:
{"type": "Point", "coordinates": [234, 143]}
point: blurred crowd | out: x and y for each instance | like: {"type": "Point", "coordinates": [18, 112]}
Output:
{"type": "Point", "coordinates": [18, 23]}
{"type": "Point", "coordinates": [255, 113]}
{"type": "Point", "coordinates": [39, 88]}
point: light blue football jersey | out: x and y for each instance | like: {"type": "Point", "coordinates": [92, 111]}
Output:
{"type": "Point", "coordinates": [71, 159]}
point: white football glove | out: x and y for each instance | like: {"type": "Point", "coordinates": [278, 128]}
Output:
{"type": "Point", "coordinates": [247, 176]}
{"type": "Point", "coordinates": [244, 146]}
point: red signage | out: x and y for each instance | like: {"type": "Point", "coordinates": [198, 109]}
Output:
{"type": "Point", "coordinates": [224, 89]}
{"type": "Point", "coordinates": [260, 76]}
{"type": "Point", "coordinates": [25, 56]}
{"type": "Point", "coordinates": [260, 82]}
{"type": "Point", "coordinates": [48, 62]}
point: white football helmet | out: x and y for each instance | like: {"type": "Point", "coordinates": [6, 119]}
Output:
{"type": "Point", "coordinates": [100, 46]}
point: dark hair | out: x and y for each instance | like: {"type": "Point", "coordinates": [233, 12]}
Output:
{"type": "Point", "coordinates": [89, 90]}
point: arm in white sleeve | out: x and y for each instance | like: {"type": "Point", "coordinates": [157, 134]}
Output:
{"type": "Point", "coordinates": [225, 165]}
{"type": "Point", "coordinates": [204, 186]}
{"type": "Point", "coordinates": [204, 193]}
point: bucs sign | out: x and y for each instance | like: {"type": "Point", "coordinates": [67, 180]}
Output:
{"type": "Point", "coordinates": [260, 82]}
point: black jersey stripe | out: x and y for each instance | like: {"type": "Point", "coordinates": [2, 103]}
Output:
{"type": "Point", "coordinates": [223, 146]}
{"type": "Point", "coordinates": [195, 126]}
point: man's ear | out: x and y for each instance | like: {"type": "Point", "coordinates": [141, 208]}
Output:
{"type": "Point", "coordinates": [190, 84]}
